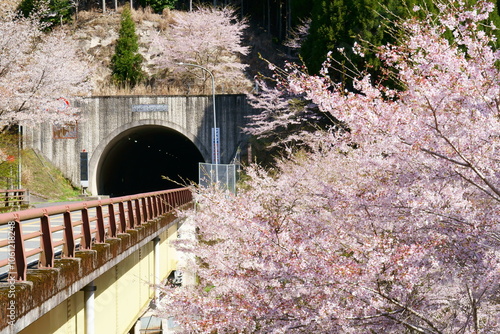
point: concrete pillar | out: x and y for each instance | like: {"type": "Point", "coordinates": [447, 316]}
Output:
{"type": "Point", "coordinates": [156, 242]}
{"type": "Point", "coordinates": [89, 291]}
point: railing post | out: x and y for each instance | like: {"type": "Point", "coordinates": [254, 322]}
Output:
{"type": "Point", "coordinates": [100, 237]}
{"type": "Point", "coordinates": [170, 202]}
{"type": "Point", "coordinates": [69, 240]}
{"type": "Point", "coordinates": [184, 197]}
{"type": "Point", "coordinates": [152, 212]}
{"type": "Point", "coordinates": [163, 203]}
{"type": "Point", "coordinates": [123, 220]}
{"type": "Point", "coordinates": [112, 221]}
{"type": "Point", "coordinates": [138, 211]}
{"type": "Point", "coordinates": [145, 210]}
{"type": "Point", "coordinates": [154, 202]}
{"type": "Point", "coordinates": [47, 255]}
{"type": "Point", "coordinates": [131, 219]}
{"type": "Point", "coordinates": [176, 199]}
{"type": "Point", "coordinates": [87, 236]}
{"type": "Point", "coordinates": [20, 263]}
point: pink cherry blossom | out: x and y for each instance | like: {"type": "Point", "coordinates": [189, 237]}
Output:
{"type": "Point", "coordinates": [207, 37]}
{"type": "Point", "coordinates": [37, 69]}
{"type": "Point", "coordinates": [388, 226]}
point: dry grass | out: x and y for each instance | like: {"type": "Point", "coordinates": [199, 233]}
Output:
{"type": "Point", "coordinates": [171, 88]}
{"type": "Point", "coordinates": [97, 33]}
{"type": "Point", "coordinates": [7, 6]}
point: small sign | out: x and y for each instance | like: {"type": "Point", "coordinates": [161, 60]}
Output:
{"type": "Point", "coordinates": [84, 167]}
{"type": "Point", "coordinates": [65, 131]}
{"type": "Point", "coordinates": [216, 145]}
{"type": "Point", "coordinates": [149, 107]}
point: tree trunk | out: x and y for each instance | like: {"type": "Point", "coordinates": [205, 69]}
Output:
{"type": "Point", "coordinates": [268, 16]}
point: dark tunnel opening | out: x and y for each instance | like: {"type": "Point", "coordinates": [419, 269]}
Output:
{"type": "Point", "coordinates": [148, 158]}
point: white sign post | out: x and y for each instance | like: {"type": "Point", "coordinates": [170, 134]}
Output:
{"type": "Point", "coordinates": [215, 146]}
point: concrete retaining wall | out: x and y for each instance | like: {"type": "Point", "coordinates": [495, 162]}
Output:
{"type": "Point", "coordinates": [104, 118]}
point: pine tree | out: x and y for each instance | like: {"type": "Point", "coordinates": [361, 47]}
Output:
{"type": "Point", "coordinates": [126, 62]}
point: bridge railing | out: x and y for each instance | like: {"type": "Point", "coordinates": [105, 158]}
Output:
{"type": "Point", "coordinates": [95, 222]}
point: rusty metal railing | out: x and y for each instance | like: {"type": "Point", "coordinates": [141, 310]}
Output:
{"type": "Point", "coordinates": [13, 199]}
{"type": "Point", "coordinates": [97, 221]}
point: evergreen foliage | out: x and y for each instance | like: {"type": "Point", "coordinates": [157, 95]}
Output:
{"type": "Point", "coordinates": [339, 23]}
{"type": "Point", "coordinates": [126, 62]}
{"type": "Point", "coordinates": [57, 11]}
{"type": "Point", "coordinates": [159, 5]}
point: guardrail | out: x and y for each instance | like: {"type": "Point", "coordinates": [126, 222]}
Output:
{"type": "Point", "coordinates": [111, 217]}
{"type": "Point", "coordinates": [13, 199]}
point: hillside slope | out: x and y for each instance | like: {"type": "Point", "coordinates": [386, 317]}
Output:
{"type": "Point", "coordinates": [97, 34]}
{"type": "Point", "coordinates": [44, 181]}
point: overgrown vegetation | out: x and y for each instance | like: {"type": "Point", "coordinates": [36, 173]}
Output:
{"type": "Point", "coordinates": [39, 176]}
{"type": "Point", "coordinates": [9, 168]}
{"type": "Point", "coordinates": [44, 180]}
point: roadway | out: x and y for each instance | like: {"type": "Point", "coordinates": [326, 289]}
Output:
{"type": "Point", "coordinates": [33, 225]}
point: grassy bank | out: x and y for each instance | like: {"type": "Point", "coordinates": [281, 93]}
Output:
{"type": "Point", "coordinates": [44, 181]}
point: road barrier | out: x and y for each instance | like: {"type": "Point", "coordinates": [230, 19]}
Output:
{"type": "Point", "coordinates": [100, 220]}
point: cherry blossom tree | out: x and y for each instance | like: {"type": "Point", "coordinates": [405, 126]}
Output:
{"type": "Point", "coordinates": [39, 73]}
{"type": "Point", "coordinates": [387, 225]}
{"type": "Point", "coordinates": [207, 37]}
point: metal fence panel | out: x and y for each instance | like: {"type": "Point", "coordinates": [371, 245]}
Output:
{"type": "Point", "coordinates": [222, 175]}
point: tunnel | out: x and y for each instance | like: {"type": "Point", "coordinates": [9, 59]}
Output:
{"type": "Point", "coordinates": [147, 158]}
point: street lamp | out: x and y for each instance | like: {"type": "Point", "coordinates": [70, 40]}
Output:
{"type": "Point", "coordinates": [215, 145]}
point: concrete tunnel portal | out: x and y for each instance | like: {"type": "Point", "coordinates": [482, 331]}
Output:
{"type": "Point", "coordinates": [147, 158]}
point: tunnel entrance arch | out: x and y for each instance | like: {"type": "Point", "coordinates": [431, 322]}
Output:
{"type": "Point", "coordinates": [147, 158]}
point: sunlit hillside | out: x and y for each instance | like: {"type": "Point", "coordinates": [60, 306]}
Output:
{"type": "Point", "coordinates": [97, 34]}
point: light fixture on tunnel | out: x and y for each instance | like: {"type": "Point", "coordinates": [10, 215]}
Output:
{"type": "Point", "coordinates": [215, 130]}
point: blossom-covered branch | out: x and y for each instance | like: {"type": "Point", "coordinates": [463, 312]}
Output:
{"type": "Point", "coordinates": [37, 69]}
{"type": "Point", "coordinates": [388, 227]}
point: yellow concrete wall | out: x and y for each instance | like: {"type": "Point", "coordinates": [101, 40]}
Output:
{"type": "Point", "coordinates": [168, 255]}
{"type": "Point", "coordinates": [123, 291]}
{"type": "Point", "coordinates": [122, 294]}
{"type": "Point", "coordinates": [65, 318]}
